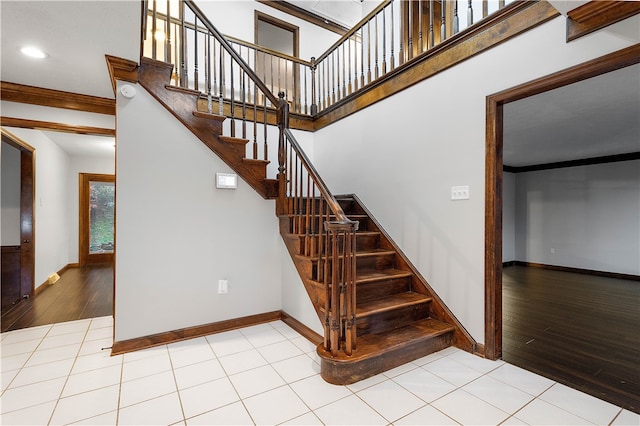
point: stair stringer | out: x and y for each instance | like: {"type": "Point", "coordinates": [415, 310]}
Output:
{"type": "Point", "coordinates": [438, 309]}
{"type": "Point", "coordinates": [441, 330]}
{"type": "Point", "coordinates": [304, 267]}
{"type": "Point", "coordinates": [155, 76]}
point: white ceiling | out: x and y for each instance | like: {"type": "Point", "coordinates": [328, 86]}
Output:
{"type": "Point", "coordinates": [75, 34]}
{"type": "Point", "coordinates": [592, 118]}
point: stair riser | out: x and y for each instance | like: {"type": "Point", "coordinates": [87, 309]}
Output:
{"type": "Point", "coordinates": [378, 289]}
{"type": "Point", "coordinates": [375, 263]}
{"type": "Point", "coordinates": [345, 373]}
{"type": "Point", "coordinates": [393, 319]}
{"type": "Point", "coordinates": [367, 264]}
{"type": "Point", "coordinates": [348, 205]}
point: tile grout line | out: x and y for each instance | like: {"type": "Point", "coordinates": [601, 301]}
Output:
{"type": "Point", "coordinates": [75, 359]}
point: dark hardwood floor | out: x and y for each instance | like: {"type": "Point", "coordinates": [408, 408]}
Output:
{"type": "Point", "coordinates": [80, 293]}
{"type": "Point", "coordinates": [579, 330]}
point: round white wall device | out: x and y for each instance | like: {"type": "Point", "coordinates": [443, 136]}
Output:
{"type": "Point", "coordinates": [128, 91]}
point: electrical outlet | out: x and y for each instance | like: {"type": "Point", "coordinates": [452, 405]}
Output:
{"type": "Point", "coordinates": [223, 286]}
{"type": "Point", "coordinates": [460, 192]}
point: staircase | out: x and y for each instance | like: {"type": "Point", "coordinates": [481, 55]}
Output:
{"type": "Point", "coordinates": [155, 76]}
{"type": "Point", "coordinates": [398, 318]}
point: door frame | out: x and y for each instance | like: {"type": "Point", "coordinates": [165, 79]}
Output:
{"type": "Point", "coordinates": [83, 215]}
{"type": "Point", "coordinates": [27, 217]}
{"type": "Point", "coordinates": [493, 175]}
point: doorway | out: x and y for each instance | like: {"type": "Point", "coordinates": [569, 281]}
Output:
{"type": "Point", "coordinates": [282, 37]}
{"type": "Point", "coordinates": [543, 284]}
{"type": "Point", "coordinates": [18, 256]}
{"type": "Point", "coordinates": [97, 218]}
{"type": "Point", "coordinates": [494, 183]}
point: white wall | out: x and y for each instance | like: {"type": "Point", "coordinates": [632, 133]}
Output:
{"type": "Point", "coordinates": [51, 201]}
{"type": "Point", "coordinates": [508, 217]}
{"type": "Point", "coordinates": [236, 18]}
{"type": "Point", "coordinates": [10, 215]}
{"type": "Point", "coordinates": [584, 217]}
{"type": "Point", "coordinates": [77, 165]}
{"type": "Point", "coordinates": [177, 235]}
{"type": "Point", "coordinates": [402, 166]}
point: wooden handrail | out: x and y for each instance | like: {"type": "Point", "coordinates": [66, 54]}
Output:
{"type": "Point", "coordinates": [322, 187]}
{"type": "Point", "coordinates": [353, 30]}
{"type": "Point", "coordinates": [268, 51]}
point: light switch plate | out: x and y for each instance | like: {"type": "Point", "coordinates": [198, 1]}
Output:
{"type": "Point", "coordinates": [460, 192]}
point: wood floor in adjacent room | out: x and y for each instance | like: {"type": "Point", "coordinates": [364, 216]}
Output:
{"type": "Point", "coordinates": [579, 330]}
{"type": "Point", "coordinates": [80, 293]}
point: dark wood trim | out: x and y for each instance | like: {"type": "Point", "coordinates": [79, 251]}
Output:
{"type": "Point", "coordinates": [302, 329]}
{"type": "Point", "coordinates": [493, 175]}
{"type": "Point", "coordinates": [596, 15]}
{"type": "Point", "coordinates": [461, 339]}
{"type": "Point", "coordinates": [84, 180]}
{"type": "Point", "coordinates": [493, 231]}
{"type": "Point", "coordinates": [509, 263]}
{"type": "Point", "coordinates": [260, 16]}
{"type": "Point", "coordinates": [56, 98]}
{"type": "Point", "coordinates": [124, 346]}
{"type": "Point", "coordinates": [55, 127]}
{"type": "Point", "coordinates": [305, 15]}
{"type": "Point", "coordinates": [121, 69]}
{"type": "Point", "coordinates": [296, 121]}
{"type": "Point", "coordinates": [27, 217]}
{"type": "Point", "coordinates": [574, 163]}
{"type": "Point", "coordinates": [610, 62]}
{"type": "Point", "coordinates": [501, 26]}
{"type": "Point", "coordinates": [607, 274]}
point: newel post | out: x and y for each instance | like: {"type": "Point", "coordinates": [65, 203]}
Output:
{"type": "Point", "coordinates": [340, 308]}
{"type": "Point", "coordinates": [283, 124]}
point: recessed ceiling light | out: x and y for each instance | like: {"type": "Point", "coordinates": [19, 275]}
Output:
{"type": "Point", "coordinates": [33, 52]}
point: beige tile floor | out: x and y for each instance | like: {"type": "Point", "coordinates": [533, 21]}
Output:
{"type": "Point", "coordinates": [265, 374]}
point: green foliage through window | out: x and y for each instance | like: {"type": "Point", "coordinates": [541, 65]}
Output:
{"type": "Point", "coordinates": [102, 203]}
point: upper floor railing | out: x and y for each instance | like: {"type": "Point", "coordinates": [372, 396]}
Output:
{"type": "Point", "coordinates": [393, 34]}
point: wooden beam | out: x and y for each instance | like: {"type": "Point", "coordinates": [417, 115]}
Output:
{"type": "Point", "coordinates": [305, 15]}
{"type": "Point", "coordinates": [596, 15]}
{"type": "Point", "coordinates": [56, 127]}
{"type": "Point", "coordinates": [21, 93]}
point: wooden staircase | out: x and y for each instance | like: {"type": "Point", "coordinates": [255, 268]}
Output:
{"type": "Point", "coordinates": [398, 316]}
{"type": "Point", "coordinates": [155, 76]}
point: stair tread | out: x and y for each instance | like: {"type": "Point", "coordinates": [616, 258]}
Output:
{"type": "Point", "coordinates": [233, 139]}
{"type": "Point", "coordinates": [371, 345]}
{"type": "Point", "coordinates": [182, 90]}
{"type": "Point", "coordinates": [208, 115]}
{"type": "Point", "coordinates": [255, 161]}
{"type": "Point", "coordinates": [372, 276]}
{"type": "Point", "coordinates": [389, 303]}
